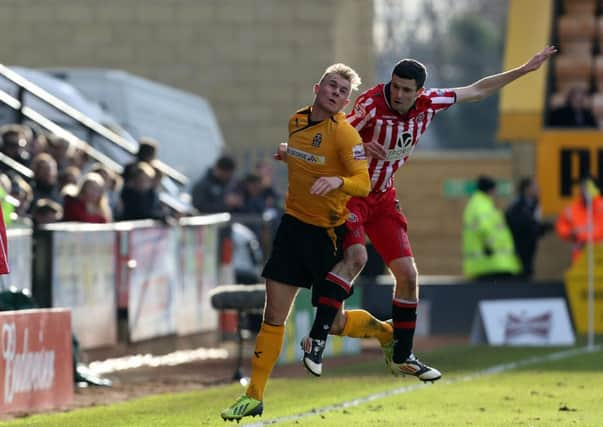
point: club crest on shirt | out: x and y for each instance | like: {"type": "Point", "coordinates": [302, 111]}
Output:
{"type": "Point", "coordinates": [359, 110]}
{"type": "Point", "coordinates": [317, 140]}
{"type": "Point", "coordinates": [420, 117]}
{"type": "Point", "coordinates": [352, 217]}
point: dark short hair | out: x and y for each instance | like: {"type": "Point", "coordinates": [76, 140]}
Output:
{"type": "Point", "coordinates": [226, 163]}
{"type": "Point", "coordinates": [411, 69]}
{"type": "Point", "coordinates": [252, 178]}
{"type": "Point", "coordinates": [523, 184]}
{"type": "Point", "coordinates": [146, 147]}
{"type": "Point", "coordinates": [485, 183]}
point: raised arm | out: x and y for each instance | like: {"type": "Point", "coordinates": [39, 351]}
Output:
{"type": "Point", "coordinates": [490, 84]}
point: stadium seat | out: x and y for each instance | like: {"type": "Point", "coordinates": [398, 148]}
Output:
{"type": "Point", "coordinates": [244, 299]}
{"type": "Point", "coordinates": [597, 107]}
{"type": "Point", "coordinates": [573, 70]}
{"type": "Point", "coordinates": [599, 32]}
{"type": "Point", "coordinates": [557, 99]}
{"type": "Point", "coordinates": [576, 33]}
{"type": "Point", "coordinates": [598, 72]}
{"type": "Point", "coordinates": [576, 27]}
{"type": "Point", "coordinates": [580, 7]}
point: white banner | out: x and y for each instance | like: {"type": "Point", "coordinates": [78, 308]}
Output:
{"type": "Point", "coordinates": [152, 282]}
{"type": "Point", "coordinates": [83, 279]}
{"type": "Point", "coordinates": [537, 322]}
{"type": "Point", "coordinates": [199, 262]}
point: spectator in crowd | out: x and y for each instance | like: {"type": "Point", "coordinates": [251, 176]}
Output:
{"type": "Point", "coordinates": [147, 152]}
{"type": "Point", "coordinates": [139, 198]}
{"type": "Point", "coordinates": [88, 202]}
{"type": "Point", "coordinates": [215, 191]}
{"type": "Point", "coordinates": [38, 144]}
{"type": "Point", "coordinates": [14, 144]}
{"type": "Point", "coordinates": [113, 186]}
{"type": "Point", "coordinates": [525, 221]}
{"type": "Point", "coordinates": [574, 112]}
{"type": "Point", "coordinates": [6, 201]}
{"type": "Point", "coordinates": [266, 172]}
{"type": "Point", "coordinates": [572, 223]}
{"type": "Point", "coordinates": [46, 211]}
{"type": "Point", "coordinates": [60, 149]}
{"type": "Point", "coordinates": [45, 183]}
{"type": "Point", "coordinates": [69, 176]}
{"type": "Point", "coordinates": [488, 250]}
{"type": "Point", "coordinates": [23, 193]}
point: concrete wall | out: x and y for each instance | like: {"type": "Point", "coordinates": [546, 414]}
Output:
{"type": "Point", "coordinates": [254, 60]}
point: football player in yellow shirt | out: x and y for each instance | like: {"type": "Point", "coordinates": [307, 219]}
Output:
{"type": "Point", "coordinates": [326, 166]}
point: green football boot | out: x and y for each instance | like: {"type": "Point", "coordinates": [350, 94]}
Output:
{"type": "Point", "coordinates": [244, 407]}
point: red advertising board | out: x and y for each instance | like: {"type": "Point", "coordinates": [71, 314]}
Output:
{"type": "Point", "coordinates": [36, 360]}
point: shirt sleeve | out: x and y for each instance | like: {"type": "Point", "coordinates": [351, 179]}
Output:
{"type": "Point", "coordinates": [356, 181]}
{"type": "Point", "coordinates": [364, 109]}
{"type": "Point", "coordinates": [441, 99]}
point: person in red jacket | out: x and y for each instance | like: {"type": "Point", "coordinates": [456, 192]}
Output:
{"type": "Point", "coordinates": [3, 246]}
{"type": "Point", "coordinates": [89, 203]}
{"type": "Point", "coordinates": [572, 224]}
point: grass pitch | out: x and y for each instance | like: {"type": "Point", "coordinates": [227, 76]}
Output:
{"type": "Point", "coordinates": [565, 392]}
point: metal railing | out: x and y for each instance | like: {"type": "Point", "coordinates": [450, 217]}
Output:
{"type": "Point", "coordinates": [25, 85]}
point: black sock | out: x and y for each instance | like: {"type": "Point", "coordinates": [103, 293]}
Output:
{"type": "Point", "coordinates": [405, 318]}
{"type": "Point", "coordinates": [333, 291]}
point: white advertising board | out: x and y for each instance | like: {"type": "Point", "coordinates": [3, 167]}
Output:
{"type": "Point", "coordinates": [536, 322]}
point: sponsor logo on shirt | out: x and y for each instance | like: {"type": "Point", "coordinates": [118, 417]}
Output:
{"type": "Point", "coordinates": [307, 157]}
{"type": "Point", "coordinates": [358, 152]}
{"type": "Point", "coordinates": [403, 147]}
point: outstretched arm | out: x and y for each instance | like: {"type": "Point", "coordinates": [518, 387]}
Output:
{"type": "Point", "coordinates": [488, 85]}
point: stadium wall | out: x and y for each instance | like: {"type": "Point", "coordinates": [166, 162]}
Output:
{"type": "Point", "coordinates": [254, 60]}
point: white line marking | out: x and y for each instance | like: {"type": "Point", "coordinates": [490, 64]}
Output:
{"type": "Point", "coordinates": [496, 369]}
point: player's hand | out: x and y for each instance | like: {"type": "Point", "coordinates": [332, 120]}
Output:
{"type": "Point", "coordinates": [281, 152]}
{"type": "Point", "coordinates": [325, 185]}
{"type": "Point", "coordinates": [375, 150]}
{"type": "Point", "coordinates": [537, 60]}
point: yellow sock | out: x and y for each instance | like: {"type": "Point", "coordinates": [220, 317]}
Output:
{"type": "Point", "coordinates": [268, 345]}
{"type": "Point", "coordinates": [362, 324]}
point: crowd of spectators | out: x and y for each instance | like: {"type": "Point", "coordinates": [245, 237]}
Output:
{"type": "Point", "coordinates": [67, 185]}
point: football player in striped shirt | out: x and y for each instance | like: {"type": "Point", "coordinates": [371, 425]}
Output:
{"type": "Point", "coordinates": [390, 118]}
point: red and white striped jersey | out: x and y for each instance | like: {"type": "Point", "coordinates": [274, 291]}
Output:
{"type": "Point", "coordinates": [375, 120]}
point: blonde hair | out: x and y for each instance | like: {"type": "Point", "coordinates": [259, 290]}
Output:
{"type": "Point", "coordinates": [103, 202]}
{"type": "Point", "coordinates": [344, 71]}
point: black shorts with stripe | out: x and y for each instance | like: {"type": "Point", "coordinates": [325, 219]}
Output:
{"type": "Point", "coordinates": [303, 254]}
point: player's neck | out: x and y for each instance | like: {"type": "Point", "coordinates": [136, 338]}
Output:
{"type": "Point", "coordinates": [318, 114]}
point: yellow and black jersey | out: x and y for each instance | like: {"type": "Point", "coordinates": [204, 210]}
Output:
{"type": "Point", "coordinates": [331, 147]}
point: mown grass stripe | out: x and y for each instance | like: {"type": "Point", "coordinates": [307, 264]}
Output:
{"type": "Point", "coordinates": [496, 369]}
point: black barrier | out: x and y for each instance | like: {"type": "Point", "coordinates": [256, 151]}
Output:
{"type": "Point", "coordinates": [453, 301]}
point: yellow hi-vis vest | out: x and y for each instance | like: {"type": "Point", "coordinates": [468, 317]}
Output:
{"type": "Point", "coordinates": [484, 227]}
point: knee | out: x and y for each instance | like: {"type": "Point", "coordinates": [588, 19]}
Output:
{"type": "Point", "coordinates": [408, 279]}
{"type": "Point", "coordinates": [356, 258]}
{"type": "Point", "coordinates": [274, 316]}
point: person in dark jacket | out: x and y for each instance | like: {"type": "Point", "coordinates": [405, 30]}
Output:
{"type": "Point", "coordinates": [215, 192]}
{"type": "Point", "coordinates": [574, 112]}
{"type": "Point", "coordinates": [139, 198]}
{"type": "Point", "coordinates": [524, 219]}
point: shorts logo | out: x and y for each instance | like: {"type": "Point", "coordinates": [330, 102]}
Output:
{"type": "Point", "coordinates": [317, 140]}
{"type": "Point", "coordinates": [352, 217]}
